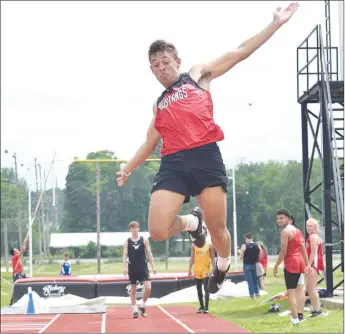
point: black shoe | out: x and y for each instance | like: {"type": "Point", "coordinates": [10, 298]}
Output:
{"type": "Point", "coordinates": [206, 310]}
{"type": "Point", "coordinates": [135, 315]}
{"type": "Point", "coordinates": [216, 280]}
{"type": "Point", "coordinates": [300, 316]}
{"type": "Point", "coordinates": [143, 311]}
{"type": "Point", "coordinates": [316, 313]}
{"type": "Point", "coordinates": [198, 236]}
{"type": "Point", "coordinates": [200, 310]}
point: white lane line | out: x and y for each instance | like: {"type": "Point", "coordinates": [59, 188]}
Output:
{"type": "Point", "coordinates": [49, 323]}
{"type": "Point", "coordinates": [104, 315]}
{"type": "Point", "coordinates": [173, 318]}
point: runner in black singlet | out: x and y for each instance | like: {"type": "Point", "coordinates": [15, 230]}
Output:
{"type": "Point", "coordinates": [136, 250]}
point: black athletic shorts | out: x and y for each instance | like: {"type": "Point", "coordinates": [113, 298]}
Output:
{"type": "Point", "coordinates": [293, 279]}
{"type": "Point", "coordinates": [189, 172]}
{"type": "Point", "coordinates": [18, 276]}
{"type": "Point", "coordinates": [139, 276]}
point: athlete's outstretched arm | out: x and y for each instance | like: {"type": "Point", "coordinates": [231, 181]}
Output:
{"type": "Point", "coordinates": [223, 64]}
{"type": "Point", "coordinates": [23, 249]}
{"type": "Point", "coordinates": [284, 237]}
{"type": "Point", "coordinates": [152, 139]}
{"type": "Point", "coordinates": [149, 255]}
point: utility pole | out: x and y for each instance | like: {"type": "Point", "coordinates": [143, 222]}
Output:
{"type": "Point", "coordinates": [56, 207]}
{"type": "Point", "coordinates": [38, 219]}
{"type": "Point", "coordinates": [98, 172]}
{"type": "Point", "coordinates": [46, 214]}
{"type": "Point", "coordinates": [234, 215]}
{"type": "Point", "coordinates": [42, 212]}
{"type": "Point", "coordinates": [18, 209]}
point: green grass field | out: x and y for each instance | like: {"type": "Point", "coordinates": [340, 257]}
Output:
{"type": "Point", "coordinates": [242, 311]}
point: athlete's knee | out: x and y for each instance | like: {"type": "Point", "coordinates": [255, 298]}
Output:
{"type": "Point", "coordinates": [218, 232]}
{"type": "Point", "coordinates": [147, 286]}
{"type": "Point", "coordinates": [157, 233]}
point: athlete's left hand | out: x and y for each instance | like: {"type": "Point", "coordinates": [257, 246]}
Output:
{"type": "Point", "coordinates": [275, 271]}
{"type": "Point", "coordinates": [282, 16]}
{"type": "Point", "coordinates": [154, 271]}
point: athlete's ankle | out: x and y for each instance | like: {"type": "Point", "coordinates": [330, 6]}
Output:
{"type": "Point", "coordinates": [135, 309]}
{"type": "Point", "coordinates": [191, 222]}
{"type": "Point", "coordinates": [223, 263]}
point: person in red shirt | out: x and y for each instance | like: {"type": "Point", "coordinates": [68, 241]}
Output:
{"type": "Point", "coordinates": [315, 260]}
{"type": "Point", "coordinates": [263, 263]}
{"type": "Point", "coordinates": [191, 163]}
{"type": "Point", "coordinates": [17, 266]}
{"type": "Point", "coordinates": [294, 255]}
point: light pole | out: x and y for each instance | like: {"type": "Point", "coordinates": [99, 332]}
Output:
{"type": "Point", "coordinates": [234, 215]}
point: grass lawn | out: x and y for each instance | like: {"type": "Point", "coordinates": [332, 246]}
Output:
{"type": "Point", "coordinates": [242, 311]}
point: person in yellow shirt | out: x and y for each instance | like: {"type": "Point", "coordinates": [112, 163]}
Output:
{"type": "Point", "coordinates": [201, 259]}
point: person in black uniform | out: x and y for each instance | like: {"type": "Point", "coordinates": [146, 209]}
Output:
{"type": "Point", "coordinates": [136, 250]}
{"type": "Point", "coordinates": [250, 254]}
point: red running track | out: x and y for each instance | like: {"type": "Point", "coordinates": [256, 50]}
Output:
{"type": "Point", "coordinates": [160, 319]}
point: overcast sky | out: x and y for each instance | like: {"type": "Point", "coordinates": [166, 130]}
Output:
{"type": "Point", "coordinates": [75, 76]}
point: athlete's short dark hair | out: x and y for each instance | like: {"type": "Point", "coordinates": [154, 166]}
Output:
{"type": "Point", "coordinates": [12, 251]}
{"type": "Point", "coordinates": [293, 221]}
{"type": "Point", "coordinates": [249, 235]}
{"type": "Point", "coordinates": [132, 224]}
{"type": "Point", "coordinates": [283, 212]}
{"type": "Point", "coordinates": [161, 45]}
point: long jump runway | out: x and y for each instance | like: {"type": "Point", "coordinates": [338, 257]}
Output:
{"type": "Point", "coordinates": [160, 319]}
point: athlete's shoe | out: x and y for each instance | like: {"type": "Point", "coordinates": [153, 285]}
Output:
{"type": "Point", "coordinates": [135, 315]}
{"type": "Point", "coordinates": [198, 236]}
{"type": "Point", "coordinates": [315, 313]}
{"type": "Point", "coordinates": [206, 309]}
{"type": "Point", "coordinates": [200, 310]}
{"type": "Point", "coordinates": [143, 311]}
{"type": "Point", "coordinates": [216, 280]}
{"type": "Point", "coordinates": [292, 324]}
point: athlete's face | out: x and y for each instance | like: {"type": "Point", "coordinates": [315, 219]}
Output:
{"type": "Point", "coordinates": [165, 67]}
{"type": "Point", "coordinates": [282, 220]}
{"type": "Point", "coordinates": [311, 227]}
{"type": "Point", "coordinates": [134, 230]}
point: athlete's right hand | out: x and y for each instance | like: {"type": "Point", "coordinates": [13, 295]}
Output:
{"type": "Point", "coordinates": [190, 274]}
{"type": "Point", "coordinates": [121, 176]}
{"type": "Point", "coordinates": [125, 271]}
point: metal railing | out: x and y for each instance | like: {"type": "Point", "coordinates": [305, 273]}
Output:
{"type": "Point", "coordinates": [311, 46]}
{"type": "Point", "coordinates": [334, 150]}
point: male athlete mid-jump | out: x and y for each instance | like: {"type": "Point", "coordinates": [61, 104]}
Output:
{"type": "Point", "coordinates": [191, 163]}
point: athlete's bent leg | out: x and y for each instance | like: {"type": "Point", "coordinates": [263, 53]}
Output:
{"type": "Point", "coordinates": [312, 292]}
{"type": "Point", "coordinates": [164, 221]}
{"type": "Point", "coordinates": [200, 294]}
{"type": "Point", "coordinates": [213, 203]}
{"type": "Point", "coordinates": [146, 296]}
{"type": "Point", "coordinates": [133, 295]}
{"type": "Point", "coordinates": [207, 294]}
{"type": "Point", "coordinates": [291, 282]}
{"type": "Point", "coordinates": [292, 302]}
